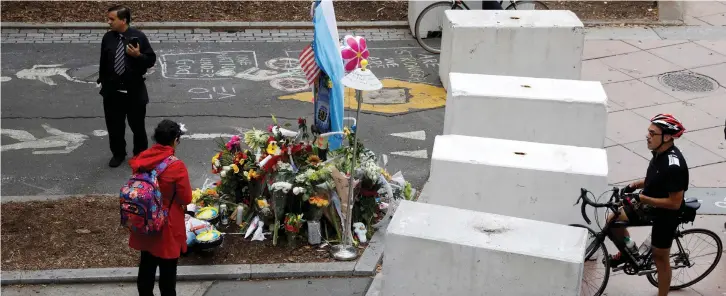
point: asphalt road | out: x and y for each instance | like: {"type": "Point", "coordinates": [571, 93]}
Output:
{"type": "Point", "coordinates": [53, 131]}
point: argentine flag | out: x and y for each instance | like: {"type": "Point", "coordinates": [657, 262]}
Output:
{"type": "Point", "coordinates": [327, 55]}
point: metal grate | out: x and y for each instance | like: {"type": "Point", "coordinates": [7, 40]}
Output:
{"type": "Point", "coordinates": [686, 81]}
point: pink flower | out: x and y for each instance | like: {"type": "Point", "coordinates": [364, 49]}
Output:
{"type": "Point", "coordinates": [233, 142]}
{"type": "Point", "coordinates": [269, 128]}
{"type": "Point", "coordinates": [354, 51]}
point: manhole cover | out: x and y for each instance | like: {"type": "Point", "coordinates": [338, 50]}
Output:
{"type": "Point", "coordinates": [688, 82]}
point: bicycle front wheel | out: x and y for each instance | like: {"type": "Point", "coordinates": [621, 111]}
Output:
{"type": "Point", "coordinates": [690, 255]}
{"type": "Point", "coordinates": [528, 5]}
{"type": "Point", "coordinates": [429, 26]}
{"type": "Point", "coordinates": [596, 271]}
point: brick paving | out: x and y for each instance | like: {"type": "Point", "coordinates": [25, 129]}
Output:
{"type": "Point", "coordinates": [191, 35]}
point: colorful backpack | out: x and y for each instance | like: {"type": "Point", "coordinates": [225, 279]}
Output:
{"type": "Point", "coordinates": [141, 201]}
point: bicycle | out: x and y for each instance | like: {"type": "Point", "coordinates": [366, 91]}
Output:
{"type": "Point", "coordinates": [641, 264]}
{"type": "Point", "coordinates": [428, 33]}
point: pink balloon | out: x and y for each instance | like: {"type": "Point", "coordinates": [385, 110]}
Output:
{"type": "Point", "coordinates": [353, 51]}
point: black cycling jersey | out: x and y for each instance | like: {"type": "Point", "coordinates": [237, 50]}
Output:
{"type": "Point", "coordinates": [667, 172]}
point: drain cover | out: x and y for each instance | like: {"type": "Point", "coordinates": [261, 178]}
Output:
{"type": "Point", "coordinates": [688, 82]}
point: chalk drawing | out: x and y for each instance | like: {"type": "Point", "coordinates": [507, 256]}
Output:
{"type": "Point", "coordinates": [44, 73]}
{"type": "Point", "coordinates": [214, 93]}
{"type": "Point", "coordinates": [5, 79]}
{"type": "Point", "coordinates": [206, 65]}
{"type": "Point", "coordinates": [290, 79]}
{"type": "Point", "coordinates": [58, 139]}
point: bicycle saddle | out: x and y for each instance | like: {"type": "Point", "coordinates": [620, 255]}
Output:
{"type": "Point", "coordinates": [692, 203]}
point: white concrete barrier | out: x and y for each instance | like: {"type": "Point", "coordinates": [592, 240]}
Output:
{"type": "Point", "coordinates": [553, 111]}
{"type": "Point", "coordinates": [514, 178]}
{"type": "Point", "coordinates": [437, 250]}
{"type": "Point", "coordinates": [529, 43]}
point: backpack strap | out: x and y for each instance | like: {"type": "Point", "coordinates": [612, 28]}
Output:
{"type": "Point", "coordinates": [160, 168]}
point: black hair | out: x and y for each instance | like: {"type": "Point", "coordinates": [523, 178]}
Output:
{"type": "Point", "coordinates": [122, 12]}
{"type": "Point", "coordinates": [167, 132]}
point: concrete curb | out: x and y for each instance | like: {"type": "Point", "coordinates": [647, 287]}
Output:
{"type": "Point", "coordinates": [29, 198]}
{"type": "Point", "coordinates": [201, 25]}
{"type": "Point", "coordinates": [276, 25]}
{"type": "Point", "coordinates": [365, 266]}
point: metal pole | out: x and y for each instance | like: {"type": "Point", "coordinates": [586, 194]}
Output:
{"type": "Point", "coordinates": [346, 251]}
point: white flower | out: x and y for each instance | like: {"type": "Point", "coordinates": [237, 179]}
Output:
{"type": "Point", "coordinates": [298, 190]}
{"type": "Point", "coordinates": [281, 186]}
{"type": "Point", "coordinates": [216, 163]}
{"type": "Point", "coordinates": [371, 171]}
{"type": "Point", "coordinates": [281, 166]}
{"type": "Point", "coordinates": [223, 174]}
{"type": "Point", "coordinates": [226, 168]}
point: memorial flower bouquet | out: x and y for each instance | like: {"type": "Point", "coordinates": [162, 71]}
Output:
{"type": "Point", "coordinates": [293, 223]}
{"type": "Point", "coordinates": [277, 178]}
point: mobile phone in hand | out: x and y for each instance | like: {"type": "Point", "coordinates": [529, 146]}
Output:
{"type": "Point", "coordinates": [134, 41]}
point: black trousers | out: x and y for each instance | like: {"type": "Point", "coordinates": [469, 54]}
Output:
{"type": "Point", "coordinates": [117, 108]}
{"type": "Point", "coordinates": [147, 274]}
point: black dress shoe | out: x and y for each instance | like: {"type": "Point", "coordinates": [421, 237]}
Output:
{"type": "Point", "coordinates": [116, 161]}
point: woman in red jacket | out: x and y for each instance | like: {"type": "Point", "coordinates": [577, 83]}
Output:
{"type": "Point", "coordinates": [163, 250]}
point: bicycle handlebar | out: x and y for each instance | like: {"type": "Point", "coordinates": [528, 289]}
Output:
{"type": "Point", "coordinates": [587, 201]}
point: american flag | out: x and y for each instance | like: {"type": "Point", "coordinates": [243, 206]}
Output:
{"type": "Point", "coordinates": [308, 65]}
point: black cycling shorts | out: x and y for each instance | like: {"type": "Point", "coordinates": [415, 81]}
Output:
{"type": "Point", "coordinates": [663, 232]}
{"type": "Point", "coordinates": [664, 224]}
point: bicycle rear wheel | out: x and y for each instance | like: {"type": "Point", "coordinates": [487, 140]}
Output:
{"type": "Point", "coordinates": [698, 245]}
{"type": "Point", "coordinates": [596, 271]}
{"type": "Point", "coordinates": [528, 5]}
{"type": "Point", "coordinates": [430, 25]}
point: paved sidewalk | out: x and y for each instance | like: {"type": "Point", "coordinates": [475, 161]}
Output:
{"type": "Point", "coordinates": [641, 78]}
{"type": "Point", "coordinates": [306, 35]}
{"type": "Point", "coordinates": [192, 35]}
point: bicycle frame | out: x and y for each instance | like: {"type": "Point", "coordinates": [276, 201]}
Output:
{"type": "Point", "coordinates": [639, 268]}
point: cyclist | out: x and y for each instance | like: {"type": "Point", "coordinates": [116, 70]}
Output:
{"type": "Point", "coordinates": [659, 202]}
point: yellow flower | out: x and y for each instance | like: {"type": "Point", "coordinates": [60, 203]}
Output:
{"type": "Point", "coordinates": [262, 203]}
{"type": "Point", "coordinates": [196, 194]}
{"type": "Point", "coordinates": [272, 148]}
{"type": "Point", "coordinates": [346, 131]}
{"type": "Point", "coordinates": [386, 175]}
{"type": "Point", "coordinates": [215, 158]}
{"type": "Point", "coordinates": [252, 174]}
{"type": "Point", "coordinates": [235, 168]}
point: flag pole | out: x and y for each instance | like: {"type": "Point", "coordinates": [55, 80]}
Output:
{"type": "Point", "coordinates": [360, 80]}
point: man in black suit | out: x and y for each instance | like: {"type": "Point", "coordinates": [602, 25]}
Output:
{"type": "Point", "coordinates": [125, 56]}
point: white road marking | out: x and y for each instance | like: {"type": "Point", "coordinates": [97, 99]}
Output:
{"type": "Point", "coordinates": [415, 154]}
{"type": "Point", "coordinates": [5, 79]}
{"type": "Point", "coordinates": [100, 133]}
{"type": "Point", "coordinates": [416, 135]}
{"type": "Point", "coordinates": [68, 141]}
{"type": "Point", "coordinates": [206, 136]}
{"type": "Point", "coordinates": [44, 73]}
